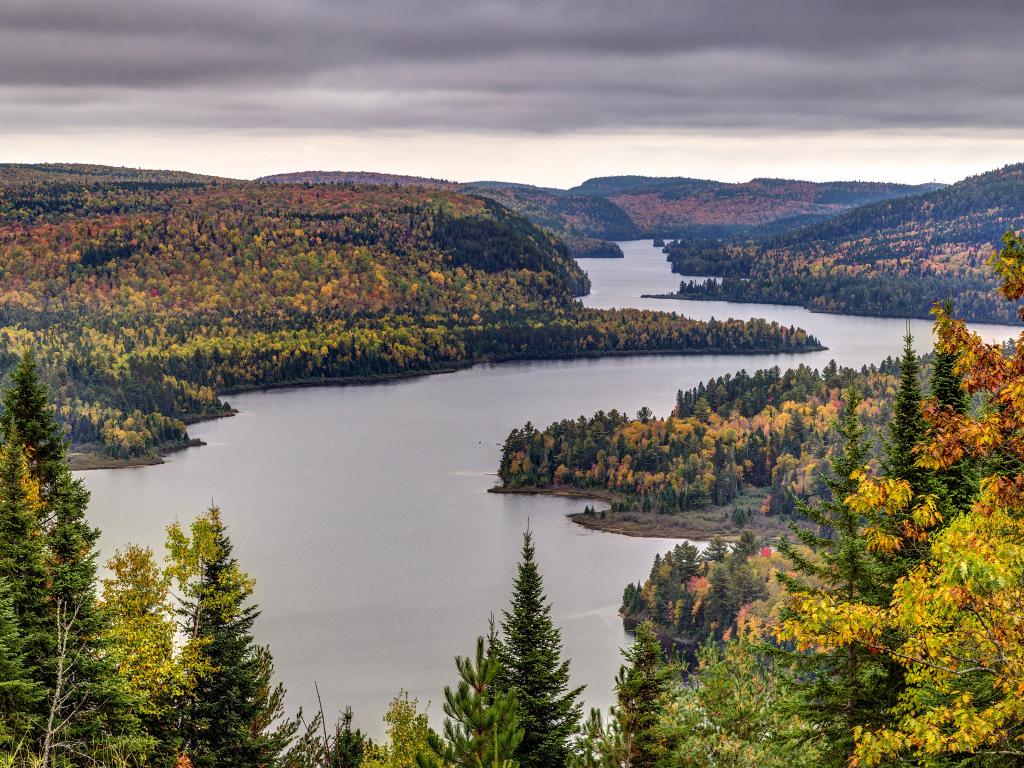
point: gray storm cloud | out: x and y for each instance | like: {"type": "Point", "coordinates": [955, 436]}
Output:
{"type": "Point", "coordinates": [553, 66]}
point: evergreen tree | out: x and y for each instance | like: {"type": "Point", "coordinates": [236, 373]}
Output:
{"type": "Point", "coordinates": [640, 693]}
{"type": "Point", "coordinates": [959, 482]}
{"type": "Point", "coordinates": [97, 707]}
{"type": "Point", "coordinates": [530, 654]}
{"type": "Point", "coordinates": [19, 692]}
{"type": "Point", "coordinates": [22, 557]}
{"type": "Point", "coordinates": [907, 427]}
{"type": "Point", "coordinates": [845, 687]}
{"type": "Point", "coordinates": [223, 722]}
{"type": "Point", "coordinates": [482, 728]}
{"type": "Point", "coordinates": [906, 431]}
{"type": "Point", "coordinates": [716, 550]}
{"type": "Point", "coordinates": [28, 418]}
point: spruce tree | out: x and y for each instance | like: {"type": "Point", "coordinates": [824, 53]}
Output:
{"type": "Point", "coordinates": [482, 728]}
{"type": "Point", "coordinates": [28, 417]}
{"type": "Point", "coordinates": [19, 692]}
{"type": "Point", "coordinates": [22, 556]}
{"type": "Point", "coordinates": [222, 722]}
{"type": "Point", "coordinates": [845, 687]}
{"type": "Point", "coordinates": [906, 430]}
{"type": "Point", "coordinates": [958, 483]}
{"type": "Point", "coordinates": [907, 426]}
{"type": "Point", "coordinates": [530, 654]}
{"type": "Point", "coordinates": [640, 692]}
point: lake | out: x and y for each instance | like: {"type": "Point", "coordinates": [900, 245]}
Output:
{"type": "Point", "coordinates": [364, 516]}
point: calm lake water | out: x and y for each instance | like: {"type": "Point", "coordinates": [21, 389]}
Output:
{"type": "Point", "coordinates": [363, 514]}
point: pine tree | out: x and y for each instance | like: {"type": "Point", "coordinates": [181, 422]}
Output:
{"type": "Point", "coordinates": [19, 692]}
{"type": "Point", "coordinates": [845, 687]}
{"type": "Point", "coordinates": [530, 654]}
{"type": "Point", "coordinates": [28, 415]}
{"type": "Point", "coordinates": [482, 728]}
{"type": "Point", "coordinates": [223, 721]}
{"type": "Point", "coordinates": [640, 693]}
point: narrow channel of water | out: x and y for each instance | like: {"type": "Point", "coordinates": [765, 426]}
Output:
{"type": "Point", "coordinates": [363, 513]}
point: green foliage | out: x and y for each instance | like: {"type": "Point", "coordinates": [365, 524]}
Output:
{"type": "Point", "coordinates": [692, 598]}
{"type": "Point", "coordinates": [409, 736]}
{"type": "Point", "coordinates": [229, 716]}
{"type": "Point", "coordinates": [482, 728]}
{"type": "Point", "coordinates": [145, 298]}
{"type": "Point", "coordinates": [736, 713]}
{"type": "Point", "coordinates": [533, 670]}
{"type": "Point", "coordinates": [770, 430]}
{"type": "Point", "coordinates": [843, 688]}
{"type": "Point", "coordinates": [23, 558]}
{"type": "Point", "coordinates": [27, 418]}
{"type": "Point", "coordinates": [19, 692]}
{"type": "Point", "coordinates": [641, 691]}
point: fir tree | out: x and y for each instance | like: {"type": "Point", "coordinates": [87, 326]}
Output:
{"type": "Point", "coordinates": [848, 686]}
{"type": "Point", "coordinates": [530, 654]}
{"type": "Point", "coordinates": [640, 693]}
{"type": "Point", "coordinates": [28, 418]}
{"type": "Point", "coordinates": [223, 721]}
{"type": "Point", "coordinates": [482, 728]}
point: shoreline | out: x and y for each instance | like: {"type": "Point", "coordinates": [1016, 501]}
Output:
{"type": "Point", "coordinates": [640, 526]}
{"type": "Point", "coordinates": [681, 297]}
{"type": "Point", "coordinates": [86, 460]}
{"type": "Point", "coordinates": [83, 461]}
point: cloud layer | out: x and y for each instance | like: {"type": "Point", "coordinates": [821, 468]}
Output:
{"type": "Point", "coordinates": [548, 66]}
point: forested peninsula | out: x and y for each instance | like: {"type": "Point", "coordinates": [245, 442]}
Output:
{"type": "Point", "coordinates": [146, 295]}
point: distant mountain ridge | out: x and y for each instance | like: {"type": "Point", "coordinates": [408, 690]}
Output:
{"type": "Point", "coordinates": [895, 257]}
{"type": "Point", "coordinates": [631, 207]}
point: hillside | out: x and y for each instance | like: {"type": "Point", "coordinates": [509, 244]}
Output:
{"type": "Point", "coordinates": [354, 177]}
{"type": "Point", "coordinates": [146, 294]}
{"type": "Point", "coordinates": [630, 207]}
{"type": "Point", "coordinates": [895, 257]}
{"type": "Point", "coordinates": [679, 206]}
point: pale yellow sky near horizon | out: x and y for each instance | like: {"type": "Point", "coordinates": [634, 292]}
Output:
{"type": "Point", "coordinates": [560, 160]}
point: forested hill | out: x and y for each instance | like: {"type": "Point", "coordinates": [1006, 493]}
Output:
{"type": "Point", "coordinates": [630, 207]}
{"type": "Point", "coordinates": [674, 206]}
{"type": "Point", "coordinates": [147, 293]}
{"type": "Point", "coordinates": [895, 257]}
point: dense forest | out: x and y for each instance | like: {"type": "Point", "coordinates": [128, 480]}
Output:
{"type": "Point", "coordinates": [744, 448]}
{"type": "Point", "coordinates": [884, 631]}
{"type": "Point", "coordinates": [632, 207]}
{"type": "Point", "coordinates": [145, 295]}
{"type": "Point", "coordinates": [895, 257]}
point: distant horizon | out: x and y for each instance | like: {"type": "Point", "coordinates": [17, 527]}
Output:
{"type": "Point", "coordinates": [224, 169]}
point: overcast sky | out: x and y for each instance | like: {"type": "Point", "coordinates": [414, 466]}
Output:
{"type": "Point", "coordinates": [542, 91]}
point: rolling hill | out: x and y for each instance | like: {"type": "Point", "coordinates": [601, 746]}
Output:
{"type": "Point", "coordinates": [631, 207]}
{"type": "Point", "coordinates": [895, 257]}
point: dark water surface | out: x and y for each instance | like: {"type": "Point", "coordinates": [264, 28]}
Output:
{"type": "Point", "coordinates": [363, 513]}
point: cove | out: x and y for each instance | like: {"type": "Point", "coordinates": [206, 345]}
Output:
{"type": "Point", "coordinates": [363, 512]}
